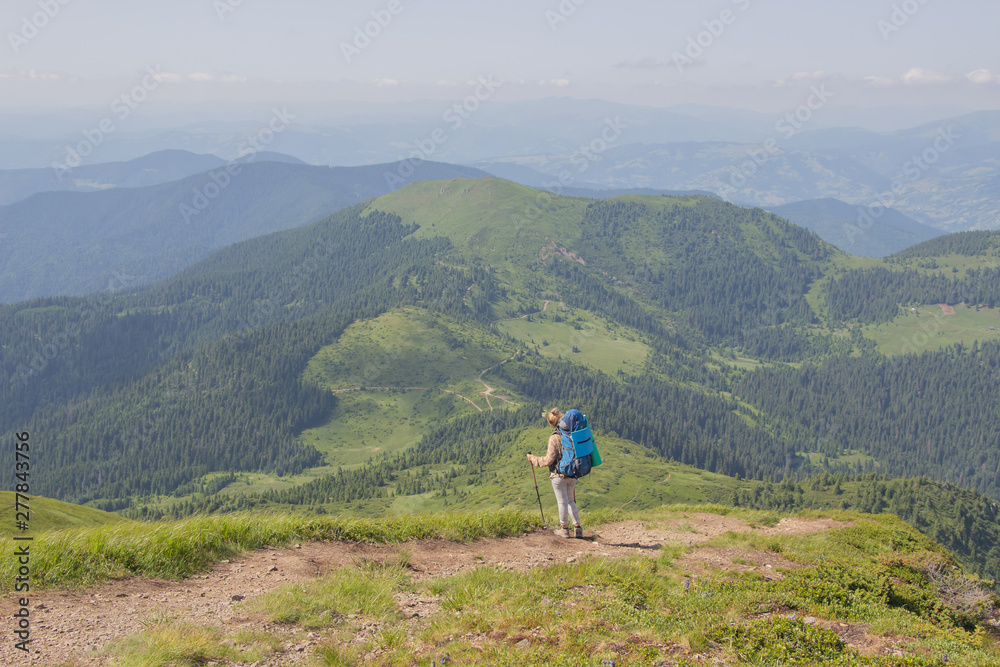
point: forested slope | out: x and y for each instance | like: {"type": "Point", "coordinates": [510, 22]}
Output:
{"type": "Point", "coordinates": [171, 390]}
{"type": "Point", "coordinates": [73, 243]}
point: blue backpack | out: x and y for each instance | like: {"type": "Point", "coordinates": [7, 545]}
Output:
{"type": "Point", "coordinates": [577, 445]}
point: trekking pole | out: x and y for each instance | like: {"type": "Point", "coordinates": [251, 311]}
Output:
{"type": "Point", "coordinates": [537, 495]}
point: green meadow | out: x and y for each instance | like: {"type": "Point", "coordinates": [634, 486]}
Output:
{"type": "Point", "coordinates": [582, 337]}
{"type": "Point", "coordinates": [932, 327]}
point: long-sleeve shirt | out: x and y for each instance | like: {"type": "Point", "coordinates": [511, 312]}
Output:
{"type": "Point", "coordinates": [552, 455]}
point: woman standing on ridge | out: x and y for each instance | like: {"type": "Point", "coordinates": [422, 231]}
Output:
{"type": "Point", "coordinates": [563, 486]}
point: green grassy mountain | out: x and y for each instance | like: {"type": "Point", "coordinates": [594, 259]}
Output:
{"type": "Point", "coordinates": [46, 514]}
{"type": "Point", "coordinates": [396, 357]}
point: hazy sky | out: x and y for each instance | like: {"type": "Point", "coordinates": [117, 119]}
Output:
{"type": "Point", "coordinates": [756, 54]}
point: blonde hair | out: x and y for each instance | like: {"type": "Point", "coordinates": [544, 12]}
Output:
{"type": "Point", "coordinates": [553, 417]}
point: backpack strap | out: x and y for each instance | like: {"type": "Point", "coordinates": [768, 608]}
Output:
{"type": "Point", "coordinates": [554, 466]}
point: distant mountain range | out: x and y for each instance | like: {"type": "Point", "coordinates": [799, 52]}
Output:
{"type": "Point", "coordinates": [947, 172]}
{"type": "Point", "coordinates": [74, 243]}
{"type": "Point", "coordinates": [135, 222]}
{"type": "Point", "coordinates": [848, 228]}
{"type": "Point", "coordinates": [153, 169]}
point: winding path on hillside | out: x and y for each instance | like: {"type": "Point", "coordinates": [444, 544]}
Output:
{"type": "Point", "coordinates": [490, 390]}
{"type": "Point", "coordinates": [447, 391]}
{"type": "Point", "coordinates": [72, 625]}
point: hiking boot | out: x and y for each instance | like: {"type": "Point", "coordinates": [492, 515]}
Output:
{"type": "Point", "coordinates": [579, 532]}
{"type": "Point", "coordinates": [562, 532]}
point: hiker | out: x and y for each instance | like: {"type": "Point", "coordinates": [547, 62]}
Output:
{"type": "Point", "coordinates": [562, 485]}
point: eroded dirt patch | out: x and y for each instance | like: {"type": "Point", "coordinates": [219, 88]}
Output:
{"type": "Point", "coordinates": [72, 625]}
{"type": "Point", "coordinates": [795, 525]}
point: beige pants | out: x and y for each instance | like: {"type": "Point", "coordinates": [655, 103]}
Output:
{"type": "Point", "coordinates": [564, 486]}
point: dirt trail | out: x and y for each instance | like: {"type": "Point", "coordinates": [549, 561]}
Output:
{"type": "Point", "coordinates": [545, 307]}
{"type": "Point", "coordinates": [74, 624]}
{"type": "Point", "coordinates": [490, 390]}
{"type": "Point", "coordinates": [387, 389]}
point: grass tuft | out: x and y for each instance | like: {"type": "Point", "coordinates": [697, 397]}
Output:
{"type": "Point", "coordinates": [174, 644]}
{"type": "Point", "coordinates": [177, 549]}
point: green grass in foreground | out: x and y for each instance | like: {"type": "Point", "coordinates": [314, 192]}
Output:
{"type": "Point", "coordinates": [872, 582]}
{"type": "Point", "coordinates": [48, 514]}
{"type": "Point", "coordinates": [177, 549]}
{"type": "Point", "coordinates": [177, 644]}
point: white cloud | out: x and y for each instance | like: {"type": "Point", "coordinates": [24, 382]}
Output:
{"type": "Point", "coordinates": [232, 78]}
{"type": "Point", "coordinates": [560, 83]}
{"type": "Point", "coordinates": [818, 74]}
{"type": "Point", "coordinates": [919, 77]}
{"type": "Point", "coordinates": [982, 76]}
{"type": "Point", "coordinates": [169, 77]}
{"type": "Point", "coordinates": [879, 81]}
{"type": "Point", "coordinates": [382, 83]}
{"type": "Point", "coordinates": [200, 77]}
